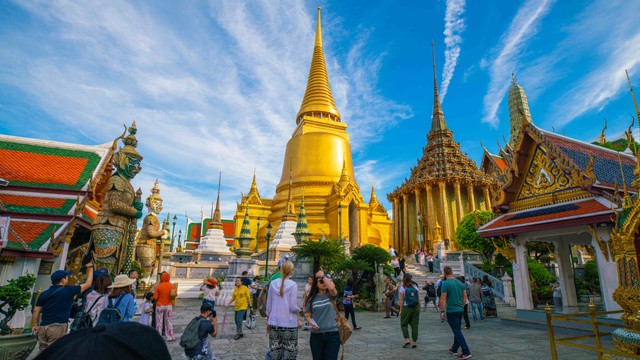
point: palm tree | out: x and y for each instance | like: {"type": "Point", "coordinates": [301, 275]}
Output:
{"type": "Point", "coordinates": [322, 252]}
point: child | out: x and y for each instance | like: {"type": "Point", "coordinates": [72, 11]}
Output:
{"type": "Point", "coordinates": [211, 291]}
{"type": "Point", "coordinates": [145, 315]}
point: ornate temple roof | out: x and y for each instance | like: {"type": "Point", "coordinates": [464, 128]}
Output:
{"type": "Point", "coordinates": [578, 212]}
{"type": "Point", "coordinates": [442, 159]}
{"type": "Point", "coordinates": [317, 97]}
{"type": "Point", "coordinates": [49, 184]}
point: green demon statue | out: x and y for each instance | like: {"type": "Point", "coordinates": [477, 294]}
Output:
{"type": "Point", "coordinates": [113, 233]}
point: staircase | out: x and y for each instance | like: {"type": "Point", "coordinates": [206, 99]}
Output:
{"type": "Point", "coordinates": [421, 274]}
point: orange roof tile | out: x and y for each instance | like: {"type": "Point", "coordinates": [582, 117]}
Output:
{"type": "Point", "coordinates": [40, 168]}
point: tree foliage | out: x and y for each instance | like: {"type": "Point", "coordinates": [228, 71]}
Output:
{"type": "Point", "coordinates": [325, 254]}
{"type": "Point", "coordinates": [14, 296]}
{"type": "Point", "coordinates": [467, 236]}
{"type": "Point", "coordinates": [541, 277]}
{"type": "Point", "coordinates": [372, 255]}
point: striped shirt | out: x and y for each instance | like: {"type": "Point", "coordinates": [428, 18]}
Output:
{"type": "Point", "coordinates": [323, 313]}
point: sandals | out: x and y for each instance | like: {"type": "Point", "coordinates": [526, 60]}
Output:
{"type": "Point", "coordinates": [406, 345]}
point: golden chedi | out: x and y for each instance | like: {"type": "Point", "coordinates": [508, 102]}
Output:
{"type": "Point", "coordinates": [318, 164]}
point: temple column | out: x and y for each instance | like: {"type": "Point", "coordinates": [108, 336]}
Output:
{"type": "Point", "coordinates": [416, 193]}
{"type": "Point", "coordinates": [456, 187]}
{"type": "Point", "coordinates": [430, 215]}
{"type": "Point", "coordinates": [405, 223]}
{"type": "Point", "coordinates": [521, 276]}
{"type": "Point", "coordinates": [565, 271]}
{"type": "Point", "coordinates": [487, 199]}
{"type": "Point", "coordinates": [445, 211]}
{"type": "Point", "coordinates": [396, 223]}
{"type": "Point", "coordinates": [607, 271]}
{"type": "Point", "coordinates": [472, 198]}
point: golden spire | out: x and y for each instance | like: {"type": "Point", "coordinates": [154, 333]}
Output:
{"type": "Point", "coordinates": [635, 103]}
{"type": "Point", "coordinates": [437, 119]}
{"type": "Point", "coordinates": [519, 114]}
{"type": "Point", "coordinates": [216, 222]}
{"type": "Point", "coordinates": [289, 212]}
{"type": "Point", "coordinates": [254, 186]}
{"type": "Point", "coordinates": [344, 176]}
{"type": "Point", "coordinates": [603, 139]}
{"type": "Point", "coordinates": [373, 199]}
{"type": "Point", "coordinates": [318, 99]}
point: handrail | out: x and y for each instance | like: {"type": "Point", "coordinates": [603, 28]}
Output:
{"type": "Point", "coordinates": [597, 334]}
{"type": "Point", "coordinates": [471, 271]}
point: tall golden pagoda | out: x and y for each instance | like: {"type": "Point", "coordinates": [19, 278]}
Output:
{"type": "Point", "coordinates": [318, 163]}
{"type": "Point", "coordinates": [444, 186]}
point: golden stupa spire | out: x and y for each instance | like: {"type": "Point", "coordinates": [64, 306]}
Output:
{"type": "Point", "coordinates": [373, 198]}
{"type": "Point", "coordinates": [318, 100]}
{"type": "Point", "coordinates": [289, 212]}
{"type": "Point", "coordinates": [344, 176]}
{"type": "Point", "coordinates": [216, 222]}
{"type": "Point", "coordinates": [437, 120]}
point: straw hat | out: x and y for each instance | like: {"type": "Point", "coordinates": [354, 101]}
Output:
{"type": "Point", "coordinates": [121, 281]}
{"type": "Point", "coordinates": [211, 281]}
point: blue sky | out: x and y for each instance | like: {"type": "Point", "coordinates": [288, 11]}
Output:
{"type": "Point", "coordinates": [215, 86]}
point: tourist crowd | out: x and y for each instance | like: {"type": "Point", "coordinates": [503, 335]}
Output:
{"type": "Point", "coordinates": [102, 303]}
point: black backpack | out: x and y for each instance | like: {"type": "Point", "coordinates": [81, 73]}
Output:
{"type": "Point", "coordinates": [431, 290]}
{"type": "Point", "coordinates": [110, 314]}
{"type": "Point", "coordinates": [82, 319]}
{"type": "Point", "coordinates": [189, 338]}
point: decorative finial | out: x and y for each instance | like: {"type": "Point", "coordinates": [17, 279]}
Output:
{"type": "Point", "coordinates": [635, 103]}
{"type": "Point", "coordinates": [513, 78]}
{"type": "Point", "coordinates": [603, 139]}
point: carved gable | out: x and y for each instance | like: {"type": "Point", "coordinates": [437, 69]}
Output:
{"type": "Point", "coordinates": [543, 176]}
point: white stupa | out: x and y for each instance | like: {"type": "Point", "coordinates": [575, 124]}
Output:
{"type": "Point", "coordinates": [214, 241]}
{"type": "Point", "coordinates": [284, 239]}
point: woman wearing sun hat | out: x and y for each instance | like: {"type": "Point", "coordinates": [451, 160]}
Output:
{"type": "Point", "coordinates": [121, 294]}
{"type": "Point", "coordinates": [211, 291]}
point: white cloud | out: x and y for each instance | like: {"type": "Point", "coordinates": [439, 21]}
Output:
{"type": "Point", "coordinates": [215, 92]}
{"type": "Point", "coordinates": [505, 61]}
{"type": "Point", "coordinates": [453, 27]}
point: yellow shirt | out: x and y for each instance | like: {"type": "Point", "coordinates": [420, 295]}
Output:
{"type": "Point", "coordinates": [242, 297]}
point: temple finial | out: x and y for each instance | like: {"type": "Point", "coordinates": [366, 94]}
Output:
{"type": "Point", "coordinates": [318, 99]}
{"type": "Point", "coordinates": [513, 78]}
{"type": "Point", "coordinates": [635, 103]}
{"type": "Point", "coordinates": [437, 120]}
{"type": "Point", "coordinates": [603, 139]}
{"type": "Point", "coordinates": [216, 221]}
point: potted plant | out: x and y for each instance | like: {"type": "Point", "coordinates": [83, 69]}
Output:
{"type": "Point", "coordinates": [15, 344]}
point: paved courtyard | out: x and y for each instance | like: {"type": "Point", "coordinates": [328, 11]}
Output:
{"type": "Point", "coordinates": [381, 339]}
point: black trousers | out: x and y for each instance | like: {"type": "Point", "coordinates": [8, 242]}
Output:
{"type": "Point", "coordinates": [348, 309]}
{"type": "Point", "coordinates": [465, 315]}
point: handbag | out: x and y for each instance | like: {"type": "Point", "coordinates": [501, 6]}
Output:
{"type": "Point", "coordinates": [82, 319]}
{"type": "Point", "coordinates": [344, 329]}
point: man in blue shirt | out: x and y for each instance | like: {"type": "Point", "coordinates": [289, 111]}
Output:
{"type": "Point", "coordinates": [55, 306]}
{"type": "Point", "coordinates": [453, 297]}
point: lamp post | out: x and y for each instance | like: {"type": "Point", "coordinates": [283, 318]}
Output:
{"type": "Point", "coordinates": [266, 266]}
{"type": "Point", "coordinates": [173, 232]}
{"type": "Point", "coordinates": [179, 242]}
{"type": "Point", "coordinates": [257, 234]}
{"type": "Point", "coordinates": [340, 222]}
{"type": "Point", "coordinates": [420, 238]}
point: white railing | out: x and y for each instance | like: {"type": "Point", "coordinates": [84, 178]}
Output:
{"type": "Point", "coordinates": [473, 272]}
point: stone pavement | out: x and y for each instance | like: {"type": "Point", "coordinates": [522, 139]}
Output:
{"type": "Point", "coordinates": [382, 339]}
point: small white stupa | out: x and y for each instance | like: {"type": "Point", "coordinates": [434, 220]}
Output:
{"type": "Point", "coordinates": [214, 241]}
{"type": "Point", "coordinates": [284, 239]}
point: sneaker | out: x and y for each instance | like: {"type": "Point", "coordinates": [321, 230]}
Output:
{"type": "Point", "coordinates": [238, 336]}
{"type": "Point", "coordinates": [357, 328]}
{"type": "Point", "coordinates": [452, 353]}
{"type": "Point", "coordinates": [463, 356]}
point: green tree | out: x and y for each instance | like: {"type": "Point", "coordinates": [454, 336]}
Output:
{"type": "Point", "coordinates": [372, 255]}
{"type": "Point", "coordinates": [467, 236]}
{"type": "Point", "coordinates": [325, 254]}
{"type": "Point", "coordinates": [15, 296]}
{"type": "Point", "coordinates": [354, 266]}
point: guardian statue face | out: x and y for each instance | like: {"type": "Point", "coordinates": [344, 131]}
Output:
{"type": "Point", "coordinates": [130, 168]}
{"type": "Point", "coordinates": [155, 206]}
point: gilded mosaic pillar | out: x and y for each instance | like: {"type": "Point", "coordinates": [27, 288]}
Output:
{"type": "Point", "coordinates": [445, 210]}
{"type": "Point", "coordinates": [396, 223]}
{"type": "Point", "coordinates": [487, 197]}
{"type": "Point", "coordinates": [456, 187]}
{"type": "Point", "coordinates": [430, 214]}
{"type": "Point", "coordinates": [472, 199]}
{"type": "Point", "coordinates": [404, 244]}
